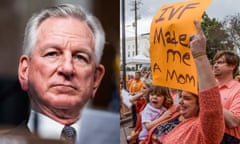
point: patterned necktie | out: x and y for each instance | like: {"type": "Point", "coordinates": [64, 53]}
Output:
{"type": "Point", "coordinates": [68, 135]}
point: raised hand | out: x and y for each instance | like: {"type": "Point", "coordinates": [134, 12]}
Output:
{"type": "Point", "coordinates": [198, 42]}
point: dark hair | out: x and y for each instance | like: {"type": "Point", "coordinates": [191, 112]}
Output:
{"type": "Point", "coordinates": [138, 72]}
{"type": "Point", "coordinates": [164, 91]}
{"type": "Point", "coordinates": [230, 58]}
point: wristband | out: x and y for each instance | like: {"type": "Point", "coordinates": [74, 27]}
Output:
{"type": "Point", "coordinates": [199, 54]}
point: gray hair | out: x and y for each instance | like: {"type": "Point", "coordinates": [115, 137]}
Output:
{"type": "Point", "coordinates": [65, 10]}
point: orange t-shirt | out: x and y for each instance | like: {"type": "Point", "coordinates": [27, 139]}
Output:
{"type": "Point", "coordinates": [135, 86]}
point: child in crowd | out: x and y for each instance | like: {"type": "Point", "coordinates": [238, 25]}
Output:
{"type": "Point", "coordinates": [156, 109]}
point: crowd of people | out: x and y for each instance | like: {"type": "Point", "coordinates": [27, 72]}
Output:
{"type": "Point", "coordinates": [164, 115]}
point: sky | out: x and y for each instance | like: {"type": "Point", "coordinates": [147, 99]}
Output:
{"type": "Point", "coordinates": [218, 9]}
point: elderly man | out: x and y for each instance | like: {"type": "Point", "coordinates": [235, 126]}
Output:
{"type": "Point", "coordinates": [60, 67]}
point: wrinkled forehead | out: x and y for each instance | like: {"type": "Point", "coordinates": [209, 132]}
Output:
{"type": "Point", "coordinates": [75, 23]}
{"type": "Point", "coordinates": [66, 29]}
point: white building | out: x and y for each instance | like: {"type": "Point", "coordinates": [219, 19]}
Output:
{"type": "Point", "coordinates": [130, 48]}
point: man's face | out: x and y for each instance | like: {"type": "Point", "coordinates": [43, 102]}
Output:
{"type": "Point", "coordinates": [61, 73]}
{"type": "Point", "coordinates": [137, 76]}
{"type": "Point", "coordinates": [221, 68]}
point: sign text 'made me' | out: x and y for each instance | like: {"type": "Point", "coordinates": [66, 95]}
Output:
{"type": "Point", "coordinates": [171, 60]}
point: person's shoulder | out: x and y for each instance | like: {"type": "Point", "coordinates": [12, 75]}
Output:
{"type": "Point", "coordinates": [141, 81]}
{"type": "Point", "coordinates": [148, 108]}
{"type": "Point", "coordinates": [235, 84]}
{"type": "Point", "coordinates": [20, 130]}
{"type": "Point", "coordinates": [103, 125]}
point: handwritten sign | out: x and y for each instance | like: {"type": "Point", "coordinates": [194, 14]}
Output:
{"type": "Point", "coordinates": [171, 59]}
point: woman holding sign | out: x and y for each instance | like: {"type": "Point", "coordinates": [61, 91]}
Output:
{"type": "Point", "coordinates": [200, 117]}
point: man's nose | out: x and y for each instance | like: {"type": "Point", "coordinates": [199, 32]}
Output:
{"type": "Point", "coordinates": [215, 65]}
{"type": "Point", "coordinates": [67, 66]}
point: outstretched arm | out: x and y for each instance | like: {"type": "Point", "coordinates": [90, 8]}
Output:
{"type": "Point", "coordinates": [211, 115]}
{"type": "Point", "coordinates": [135, 97]}
{"type": "Point", "coordinates": [206, 78]}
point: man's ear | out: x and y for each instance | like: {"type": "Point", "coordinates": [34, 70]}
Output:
{"type": "Point", "coordinates": [23, 71]}
{"type": "Point", "coordinates": [98, 75]}
{"type": "Point", "coordinates": [234, 67]}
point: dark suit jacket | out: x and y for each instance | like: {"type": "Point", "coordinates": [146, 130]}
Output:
{"type": "Point", "coordinates": [14, 114]}
{"type": "Point", "coordinates": [14, 102]}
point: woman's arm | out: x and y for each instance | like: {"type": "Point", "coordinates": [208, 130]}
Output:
{"type": "Point", "coordinates": [211, 114]}
{"type": "Point", "coordinates": [164, 116]}
{"type": "Point", "coordinates": [206, 78]}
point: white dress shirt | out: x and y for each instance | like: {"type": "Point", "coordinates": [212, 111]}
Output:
{"type": "Point", "coordinates": [97, 126]}
{"type": "Point", "coordinates": [49, 128]}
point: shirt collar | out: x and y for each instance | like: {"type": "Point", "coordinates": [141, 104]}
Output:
{"type": "Point", "coordinates": [48, 128]}
{"type": "Point", "coordinates": [229, 84]}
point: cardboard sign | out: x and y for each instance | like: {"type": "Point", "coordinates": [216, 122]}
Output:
{"type": "Point", "coordinates": [171, 59]}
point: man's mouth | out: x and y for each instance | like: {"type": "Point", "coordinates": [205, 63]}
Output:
{"type": "Point", "coordinates": [64, 86]}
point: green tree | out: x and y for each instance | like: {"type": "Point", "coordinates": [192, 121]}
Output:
{"type": "Point", "coordinates": [217, 37]}
{"type": "Point", "coordinates": [232, 27]}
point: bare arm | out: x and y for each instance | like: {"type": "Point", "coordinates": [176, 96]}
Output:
{"type": "Point", "coordinates": [206, 78]}
{"type": "Point", "coordinates": [135, 97]}
{"type": "Point", "coordinates": [230, 120]}
{"type": "Point", "coordinates": [151, 124]}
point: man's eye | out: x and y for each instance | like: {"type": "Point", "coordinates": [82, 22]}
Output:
{"type": "Point", "coordinates": [82, 58]}
{"type": "Point", "coordinates": [51, 54]}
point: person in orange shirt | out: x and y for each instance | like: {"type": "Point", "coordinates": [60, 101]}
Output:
{"type": "Point", "coordinates": [129, 80]}
{"type": "Point", "coordinates": [135, 87]}
{"type": "Point", "coordinates": [199, 118]}
{"type": "Point", "coordinates": [224, 67]}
